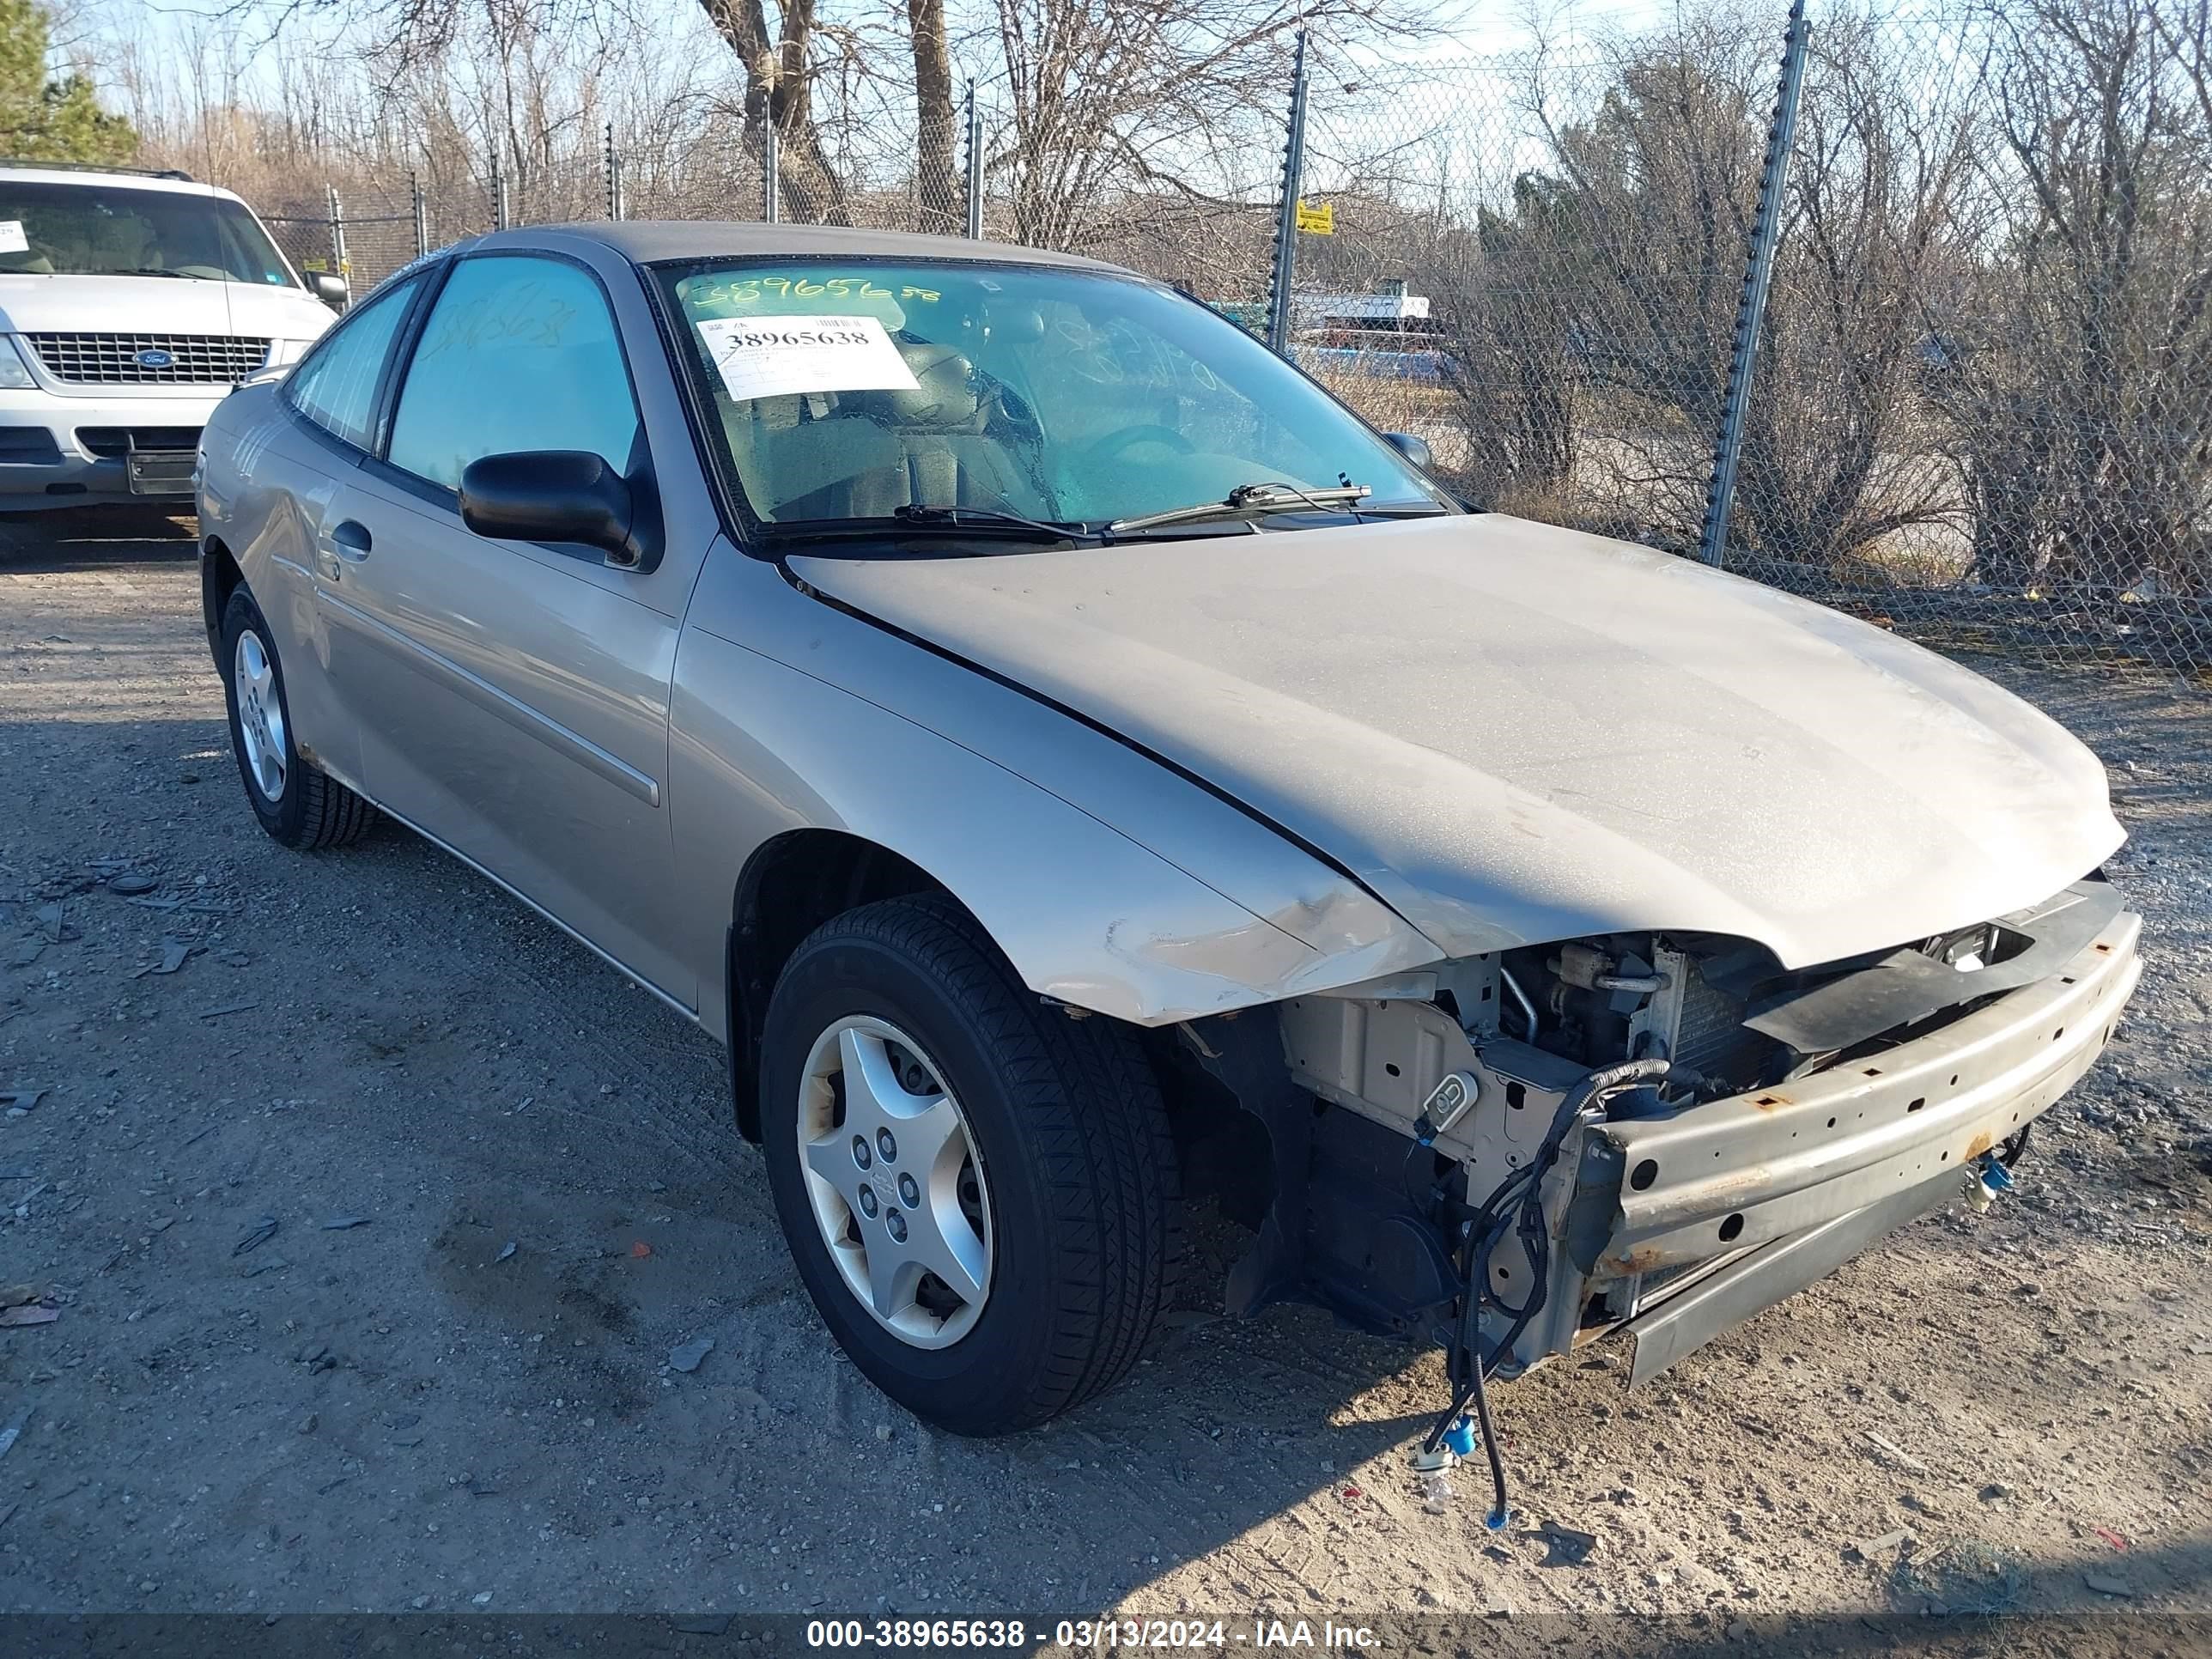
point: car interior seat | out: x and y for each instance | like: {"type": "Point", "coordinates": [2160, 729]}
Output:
{"type": "Point", "coordinates": [861, 454]}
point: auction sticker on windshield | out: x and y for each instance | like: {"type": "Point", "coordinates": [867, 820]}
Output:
{"type": "Point", "coordinates": [775, 356]}
{"type": "Point", "coordinates": [12, 239]}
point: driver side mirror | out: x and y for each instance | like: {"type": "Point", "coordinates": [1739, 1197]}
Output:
{"type": "Point", "coordinates": [561, 495]}
{"type": "Point", "coordinates": [333, 291]}
{"type": "Point", "coordinates": [1413, 446]}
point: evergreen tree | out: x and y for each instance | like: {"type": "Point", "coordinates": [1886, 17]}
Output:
{"type": "Point", "coordinates": [50, 120]}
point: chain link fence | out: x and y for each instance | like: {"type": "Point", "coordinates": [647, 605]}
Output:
{"type": "Point", "coordinates": [1976, 405]}
{"type": "Point", "coordinates": [1980, 407]}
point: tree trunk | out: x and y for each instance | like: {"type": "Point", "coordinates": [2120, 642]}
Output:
{"type": "Point", "coordinates": [778, 94]}
{"type": "Point", "coordinates": [938, 187]}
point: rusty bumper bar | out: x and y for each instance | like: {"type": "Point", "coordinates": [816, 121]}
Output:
{"type": "Point", "coordinates": [1743, 1171]}
{"type": "Point", "coordinates": [1713, 1302]}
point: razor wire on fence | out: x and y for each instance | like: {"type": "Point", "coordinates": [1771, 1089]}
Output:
{"type": "Point", "coordinates": [1970, 398]}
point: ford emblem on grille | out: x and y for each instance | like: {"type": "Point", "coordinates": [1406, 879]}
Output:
{"type": "Point", "coordinates": [154, 360]}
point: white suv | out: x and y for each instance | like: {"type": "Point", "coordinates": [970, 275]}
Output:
{"type": "Point", "coordinates": [130, 303]}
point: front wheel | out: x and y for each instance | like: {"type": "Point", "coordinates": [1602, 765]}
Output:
{"type": "Point", "coordinates": [297, 803]}
{"type": "Point", "coordinates": [977, 1188]}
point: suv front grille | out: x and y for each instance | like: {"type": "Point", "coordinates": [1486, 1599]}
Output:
{"type": "Point", "coordinates": [149, 359]}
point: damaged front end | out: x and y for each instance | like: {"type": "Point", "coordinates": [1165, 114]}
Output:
{"type": "Point", "coordinates": [1512, 1154]}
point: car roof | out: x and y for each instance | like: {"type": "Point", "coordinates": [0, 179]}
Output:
{"type": "Point", "coordinates": [131, 177]}
{"type": "Point", "coordinates": [646, 241]}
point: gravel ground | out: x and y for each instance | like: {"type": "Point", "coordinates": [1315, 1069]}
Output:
{"type": "Point", "coordinates": [463, 1398]}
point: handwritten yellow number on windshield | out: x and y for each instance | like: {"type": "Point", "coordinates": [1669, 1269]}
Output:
{"type": "Point", "coordinates": [744, 291]}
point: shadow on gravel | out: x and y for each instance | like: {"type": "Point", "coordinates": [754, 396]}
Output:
{"type": "Point", "coordinates": [508, 1191]}
{"type": "Point", "coordinates": [95, 538]}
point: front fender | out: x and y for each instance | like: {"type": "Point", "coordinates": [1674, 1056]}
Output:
{"type": "Point", "coordinates": [1097, 913]}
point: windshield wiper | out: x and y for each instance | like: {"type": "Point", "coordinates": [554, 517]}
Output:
{"type": "Point", "coordinates": [967, 517]}
{"type": "Point", "coordinates": [951, 522]}
{"type": "Point", "coordinates": [1248, 500]}
{"type": "Point", "coordinates": [154, 270]}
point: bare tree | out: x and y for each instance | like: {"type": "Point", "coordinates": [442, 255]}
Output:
{"type": "Point", "coordinates": [515, 86]}
{"type": "Point", "coordinates": [1162, 106]}
{"type": "Point", "coordinates": [1148, 118]}
{"type": "Point", "coordinates": [1839, 452]}
{"type": "Point", "coordinates": [1634, 237]}
{"type": "Point", "coordinates": [1645, 213]}
{"type": "Point", "coordinates": [780, 71]}
{"type": "Point", "coordinates": [2076, 365]}
{"type": "Point", "coordinates": [780, 62]}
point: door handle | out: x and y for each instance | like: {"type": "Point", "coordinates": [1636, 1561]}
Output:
{"type": "Point", "coordinates": [351, 539]}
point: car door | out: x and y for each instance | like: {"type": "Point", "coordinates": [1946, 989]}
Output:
{"type": "Point", "coordinates": [302, 469]}
{"type": "Point", "coordinates": [512, 696]}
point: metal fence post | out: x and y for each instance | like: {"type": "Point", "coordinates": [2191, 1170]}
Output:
{"type": "Point", "coordinates": [1757, 277]}
{"type": "Point", "coordinates": [1286, 214]}
{"type": "Point", "coordinates": [421, 205]}
{"type": "Point", "coordinates": [614, 176]}
{"type": "Point", "coordinates": [974, 166]}
{"type": "Point", "coordinates": [338, 233]}
{"type": "Point", "coordinates": [770, 171]}
{"type": "Point", "coordinates": [498, 196]}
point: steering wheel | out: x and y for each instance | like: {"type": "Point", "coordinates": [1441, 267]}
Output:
{"type": "Point", "coordinates": [1000, 405]}
{"type": "Point", "coordinates": [1111, 446]}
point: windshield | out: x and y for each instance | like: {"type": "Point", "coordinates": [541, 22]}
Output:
{"type": "Point", "coordinates": [98, 229]}
{"type": "Point", "coordinates": [866, 389]}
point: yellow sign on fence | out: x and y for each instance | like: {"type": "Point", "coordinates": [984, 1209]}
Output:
{"type": "Point", "coordinates": [1319, 217]}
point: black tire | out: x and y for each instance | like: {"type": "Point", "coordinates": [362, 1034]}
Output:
{"type": "Point", "coordinates": [1066, 1119]}
{"type": "Point", "coordinates": [311, 809]}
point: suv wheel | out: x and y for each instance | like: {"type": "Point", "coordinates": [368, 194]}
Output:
{"type": "Point", "coordinates": [297, 803]}
{"type": "Point", "coordinates": [977, 1188]}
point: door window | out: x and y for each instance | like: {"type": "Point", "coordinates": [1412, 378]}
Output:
{"type": "Point", "coordinates": [519, 352]}
{"type": "Point", "coordinates": [336, 387]}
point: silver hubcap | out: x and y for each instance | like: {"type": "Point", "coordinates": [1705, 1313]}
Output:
{"type": "Point", "coordinates": [260, 715]}
{"type": "Point", "coordinates": [895, 1182]}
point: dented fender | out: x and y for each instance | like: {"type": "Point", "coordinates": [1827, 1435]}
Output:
{"type": "Point", "coordinates": [1109, 882]}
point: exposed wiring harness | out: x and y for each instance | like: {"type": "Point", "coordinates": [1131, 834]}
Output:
{"type": "Point", "coordinates": [1517, 1204]}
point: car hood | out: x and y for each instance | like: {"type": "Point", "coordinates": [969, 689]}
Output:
{"type": "Point", "coordinates": [1516, 733]}
{"type": "Point", "coordinates": [62, 303]}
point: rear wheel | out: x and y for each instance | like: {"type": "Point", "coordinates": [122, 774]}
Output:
{"type": "Point", "coordinates": [977, 1188]}
{"type": "Point", "coordinates": [297, 802]}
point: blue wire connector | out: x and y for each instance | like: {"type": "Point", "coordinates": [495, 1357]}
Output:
{"type": "Point", "coordinates": [1987, 1181]}
{"type": "Point", "coordinates": [1459, 1438]}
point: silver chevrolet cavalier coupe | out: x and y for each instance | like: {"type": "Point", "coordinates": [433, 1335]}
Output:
{"type": "Point", "coordinates": [1078, 767]}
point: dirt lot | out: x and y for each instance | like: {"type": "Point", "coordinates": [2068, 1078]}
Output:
{"type": "Point", "coordinates": [465, 1399]}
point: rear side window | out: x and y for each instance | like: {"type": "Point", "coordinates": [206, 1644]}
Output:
{"type": "Point", "coordinates": [336, 387]}
{"type": "Point", "coordinates": [519, 352]}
